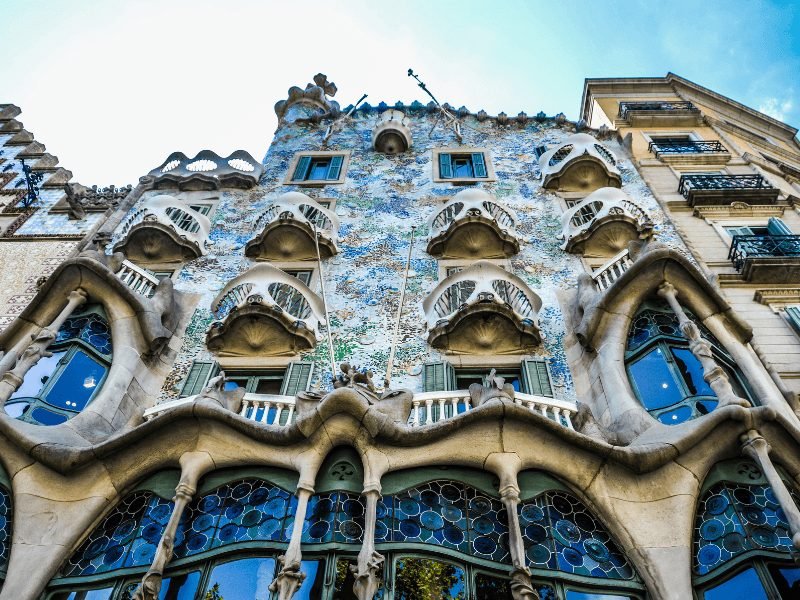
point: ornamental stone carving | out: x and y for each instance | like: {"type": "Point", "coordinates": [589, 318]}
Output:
{"type": "Point", "coordinates": [310, 104]}
{"type": "Point", "coordinates": [579, 164]}
{"type": "Point", "coordinates": [391, 134]}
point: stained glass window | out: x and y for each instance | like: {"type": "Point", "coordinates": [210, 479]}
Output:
{"type": "Point", "coordinates": [243, 510]}
{"type": "Point", "coordinates": [734, 518]}
{"type": "Point", "coordinates": [128, 537]}
{"type": "Point", "coordinates": [449, 514]}
{"type": "Point", "coordinates": [334, 517]}
{"type": "Point", "coordinates": [560, 534]}
{"type": "Point", "coordinates": [92, 328]}
{"type": "Point", "coordinates": [5, 529]}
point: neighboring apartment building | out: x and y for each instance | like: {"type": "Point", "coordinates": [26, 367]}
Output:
{"type": "Point", "coordinates": [417, 353]}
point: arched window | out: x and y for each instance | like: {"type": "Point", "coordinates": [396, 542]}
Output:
{"type": "Point", "coordinates": [665, 375]}
{"type": "Point", "coordinates": [58, 387]}
{"type": "Point", "coordinates": [742, 543]}
{"type": "Point", "coordinates": [5, 531]}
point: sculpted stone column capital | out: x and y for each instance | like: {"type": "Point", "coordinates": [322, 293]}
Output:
{"type": "Point", "coordinates": [509, 493]}
{"type": "Point", "coordinates": [754, 445]}
{"type": "Point", "coordinates": [667, 291]}
{"type": "Point", "coordinates": [78, 296]}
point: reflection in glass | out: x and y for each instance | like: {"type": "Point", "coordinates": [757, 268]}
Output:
{"type": "Point", "coordinates": [180, 587]}
{"type": "Point", "coordinates": [77, 383]}
{"type": "Point", "coordinates": [343, 587]}
{"type": "Point", "coordinates": [692, 372]}
{"type": "Point", "coordinates": [657, 388]}
{"type": "Point", "coordinates": [37, 376]}
{"type": "Point", "coordinates": [104, 594]}
{"type": "Point", "coordinates": [787, 579]}
{"type": "Point", "coordinates": [423, 579]}
{"type": "Point", "coordinates": [491, 588]}
{"type": "Point", "coordinates": [313, 582]}
{"type": "Point", "coordinates": [246, 579]}
{"type": "Point", "coordinates": [575, 595]}
{"type": "Point", "coordinates": [744, 586]}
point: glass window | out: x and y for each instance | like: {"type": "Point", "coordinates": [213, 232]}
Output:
{"type": "Point", "coordinates": [576, 595]}
{"type": "Point", "coordinates": [423, 578]}
{"type": "Point", "coordinates": [303, 275]}
{"type": "Point", "coordinates": [77, 383]}
{"type": "Point", "coordinates": [466, 377]}
{"type": "Point", "coordinates": [314, 581]}
{"type": "Point", "coordinates": [787, 580]}
{"type": "Point", "coordinates": [103, 594]}
{"type": "Point", "coordinates": [343, 586]}
{"type": "Point", "coordinates": [492, 588]}
{"type": "Point", "coordinates": [319, 169]}
{"type": "Point", "coordinates": [245, 579]}
{"type": "Point", "coordinates": [654, 381]}
{"type": "Point", "coordinates": [744, 586]}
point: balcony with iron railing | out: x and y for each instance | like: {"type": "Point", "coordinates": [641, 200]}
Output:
{"type": "Point", "coordinates": [265, 312]}
{"type": "Point", "coordinates": [766, 258]}
{"type": "Point", "coordinates": [163, 229]}
{"type": "Point", "coordinates": [690, 152]}
{"type": "Point", "coordinates": [713, 189]}
{"type": "Point", "coordinates": [287, 228]}
{"type": "Point", "coordinates": [473, 225]}
{"type": "Point", "coordinates": [579, 164]}
{"type": "Point", "coordinates": [604, 223]}
{"type": "Point", "coordinates": [482, 310]}
{"type": "Point", "coordinates": [658, 113]}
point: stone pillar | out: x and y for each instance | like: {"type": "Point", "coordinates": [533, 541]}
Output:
{"type": "Point", "coordinates": [714, 375]}
{"type": "Point", "coordinates": [193, 466]}
{"type": "Point", "coordinates": [290, 578]}
{"type": "Point", "coordinates": [754, 446]}
{"type": "Point", "coordinates": [370, 563]}
{"type": "Point", "coordinates": [25, 354]}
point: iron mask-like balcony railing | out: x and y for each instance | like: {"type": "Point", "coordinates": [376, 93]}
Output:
{"type": "Point", "coordinates": [686, 147]}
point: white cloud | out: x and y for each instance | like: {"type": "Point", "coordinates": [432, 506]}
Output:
{"type": "Point", "coordinates": [776, 108]}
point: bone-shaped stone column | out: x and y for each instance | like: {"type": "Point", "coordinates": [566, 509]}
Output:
{"type": "Point", "coordinates": [370, 563]}
{"type": "Point", "coordinates": [714, 375]}
{"type": "Point", "coordinates": [290, 577]}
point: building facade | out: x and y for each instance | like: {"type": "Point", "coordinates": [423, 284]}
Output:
{"type": "Point", "coordinates": [417, 352]}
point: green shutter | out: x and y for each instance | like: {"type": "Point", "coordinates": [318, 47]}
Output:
{"type": "Point", "coordinates": [536, 377]}
{"type": "Point", "coordinates": [478, 164]}
{"type": "Point", "coordinates": [438, 376]}
{"type": "Point", "coordinates": [199, 374]}
{"type": "Point", "coordinates": [793, 314]}
{"type": "Point", "coordinates": [445, 167]}
{"type": "Point", "coordinates": [777, 227]}
{"type": "Point", "coordinates": [297, 378]}
{"type": "Point", "coordinates": [301, 171]}
{"type": "Point", "coordinates": [335, 168]}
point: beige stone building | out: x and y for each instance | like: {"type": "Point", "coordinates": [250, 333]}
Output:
{"type": "Point", "coordinates": [419, 353]}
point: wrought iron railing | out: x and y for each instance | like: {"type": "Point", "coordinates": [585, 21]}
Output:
{"type": "Point", "coordinates": [686, 147]}
{"type": "Point", "coordinates": [658, 106]}
{"type": "Point", "coordinates": [690, 183]}
{"type": "Point", "coordinates": [746, 247]}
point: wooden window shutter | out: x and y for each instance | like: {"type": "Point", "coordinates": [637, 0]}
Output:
{"type": "Point", "coordinates": [478, 164]}
{"type": "Point", "coordinates": [445, 166]}
{"type": "Point", "coordinates": [438, 376]}
{"type": "Point", "coordinates": [301, 170]}
{"type": "Point", "coordinates": [793, 314]}
{"type": "Point", "coordinates": [297, 378]}
{"type": "Point", "coordinates": [335, 167]}
{"type": "Point", "coordinates": [536, 377]}
{"type": "Point", "coordinates": [777, 227]}
{"type": "Point", "coordinates": [199, 374]}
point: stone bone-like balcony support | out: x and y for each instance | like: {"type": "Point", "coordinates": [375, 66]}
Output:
{"type": "Point", "coordinates": [473, 225]}
{"type": "Point", "coordinates": [714, 190]}
{"type": "Point", "coordinates": [604, 223]}
{"type": "Point", "coordinates": [579, 164]}
{"type": "Point", "coordinates": [286, 230]}
{"type": "Point", "coordinates": [265, 312]}
{"type": "Point", "coordinates": [163, 229]}
{"type": "Point", "coordinates": [482, 310]}
{"type": "Point", "coordinates": [391, 134]}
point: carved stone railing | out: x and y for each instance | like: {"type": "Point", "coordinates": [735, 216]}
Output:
{"type": "Point", "coordinates": [658, 106]}
{"type": "Point", "coordinates": [723, 189]}
{"type": "Point", "coordinates": [286, 230]}
{"type": "Point", "coordinates": [163, 228]}
{"type": "Point", "coordinates": [391, 134]}
{"type": "Point", "coordinates": [431, 407]}
{"type": "Point", "coordinates": [265, 312]}
{"type": "Point", "coordinates": [473, 225]}
{"type": "Point", "coordinates": [139, 280]}
{"type": "Point", "coordinates": [482, 309]}
{"type": "Point", "coordinates": [580, 163]}
{"type": "Point", "coordinates": [767, 258]}
{"type": "Point", "coordinates": [611, 211]}
{"type": "Point", "coordinates": [612, 270]}
{"type": "Point", "coordinates": [269, 409]}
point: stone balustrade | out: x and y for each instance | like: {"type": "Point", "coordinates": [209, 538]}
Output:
{"type": "Point", "coordinates": [140, 280]}
{"type": "Point", "coordinates": [269, 409]}
{"type": "Point", "coordinates": [612, 270]}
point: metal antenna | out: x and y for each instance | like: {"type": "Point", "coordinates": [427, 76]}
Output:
{"type": "Point", "coordinates": [390, 362]}
{"type": "Point", "coordinates": [330, 130]}
{"type": "Point", "coordinates": [450, 120]}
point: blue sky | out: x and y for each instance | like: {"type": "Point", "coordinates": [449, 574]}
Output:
{"type": "Point", "coordinates": [112, 88]}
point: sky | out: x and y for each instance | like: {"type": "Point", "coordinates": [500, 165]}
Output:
{"type": "Point", "coordinates": [113, 87]}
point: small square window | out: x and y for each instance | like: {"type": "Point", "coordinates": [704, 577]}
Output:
{"type": "Point", "coordinates": [317, 168]}
{"type": "Point", "coordinates": [466, 165]}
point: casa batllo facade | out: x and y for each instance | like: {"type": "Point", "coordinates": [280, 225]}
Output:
{"type": "Point", "coordinates": [417, 352]}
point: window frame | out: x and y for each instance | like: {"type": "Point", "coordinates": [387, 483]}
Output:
{"type": "Point", "coordinates": [293, 164]}
{"type": "Point", "coordinates": [463, 151]}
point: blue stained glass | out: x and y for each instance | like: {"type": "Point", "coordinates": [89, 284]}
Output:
{"type": "Point", "coordinates": [334, 516]}
{"type": "Point", "coordinates": [91, 328]}
{"type": "Point", "coordinates": [734, 518]}
{"type": "Point", "coordinates": [559, 533]}
{"type": "Point", "coordinates": [5, 528]}
{"type": "Point", "coordinates": [127, 537]}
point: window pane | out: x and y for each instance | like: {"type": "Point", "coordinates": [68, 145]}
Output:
{"type": "Point", "coordinates": [654, 381]}
{"type": "Point", "coordinates": [312, 584]}
{"type": "Point", "coordinates": [180, 587]}
{"type": "Point", "coordinates": [319, 169]}
{"type": "Point", "coordinates": [464, 381]}
{"type": "Point", "coordinates": [38, 374]}
{"type": "Point", "coordinates": [788, 581]}
{"type": "Point", "coordinates": [77, 383]}
{"type": "Point", "coordinates": [104, 594]}
{"type": "Point", "coordinates": [268, 386]}
{"type": "Point", "coordinates": [47, 417]}
{"type": "Point", "coordinates": [575, 595]}
{"type": "Point", "coordinates": [343, 588]}
{"type": "Point", "coordinates": [422, 578]}
{"type": "Point", "coordinates": [462, 167]}
{"type": "Point", "coordinates": [744, 586]}
{"type": "Point", "coordinates": [491, 588]}
{"type": "Point", "coordinates": [692, 372]}
{"type": "Point", "coordinates": [246, 579]}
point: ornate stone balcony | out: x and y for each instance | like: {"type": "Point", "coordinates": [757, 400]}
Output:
{"type": "Point", "coordinates": [767, 258]}
{"type": "Point", "coordinates": [391, 135]}
{"type": "Point", "coordinates": [269, 409]}
{"type": "Point", "coordinates": [658, 113]}
{"type": "Point", "coordinates": [473, 225]}
{"type": "Point", "coordinates": [265, 312]}
{"type": "Point", "coordinates": [163, 229]}
{"type": "Point", "coordinates": [207, 171]}
{"type": "Point", "coordinates": [604, 223]}
{"type": "Point", "coordinates": [286, 230]}
{"type": "Point", "coordinates": [710, 190]}
{"type": "Point", "coordinates": [141, 281]}
{"type": "Point", "coordinates": [605, 275]}
{"type": "Point", "coordinates": [482, 310]}
{"type": "Point", "coordinates": [579, 164]}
